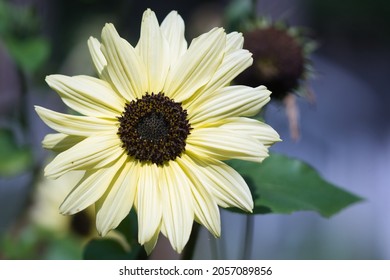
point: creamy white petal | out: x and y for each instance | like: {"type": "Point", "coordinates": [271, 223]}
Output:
{"type": "Point", "coordinates": [76, 125]}
{"type": "Point", "coordinates": [264, 133]}
{"type": "Point", "coordinates": [125, 68]}
{"type": "Point", "coordinates": [59, 142]}
{"type": "Point", "coordinates": [224, 144]}
{"type": "Point", "coordinates": [149, 208]}
{"type": "Point", "coordinates": [232, 65]}
{"type": "Point", "coordinates": [86, 95]}
{"type": "Point", "coordinates": [197, 65]}
{"type": "Point", "coordinates": [205, 207]}
{"type": "Point", "coordinates": [232, 101]}
{"type": "Point", "coordinates": [97, 56]}
{"type": "Point", "coordinates": [154, 51]}
{"type": "Point", "coordinates": [173, 30]}
{"type": "Point", "coordinates": [118, 200]}
{"type": "Point", "coordinates": [224, 183]}
{"type": "Point", "coordinates": [93, 152]}
{"type": "Point", "coordinates": [178, 214]}
{"type": "Point", "coordinates": [91, 187]}
{"type": "Point", "coordinates": [235, 41]}
{"type": "Point", "coordinates": [149, 245]}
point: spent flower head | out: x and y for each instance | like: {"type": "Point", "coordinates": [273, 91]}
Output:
{"type": "Point", "coordinates": [155, 128]}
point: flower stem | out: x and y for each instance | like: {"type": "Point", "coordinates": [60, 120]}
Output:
{"type": "Point", "coordinates": [189, 250]}
{"type": "Point", "coordinates": [249, 230]}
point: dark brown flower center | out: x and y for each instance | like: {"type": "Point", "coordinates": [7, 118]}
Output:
{"type": "Point", "coordinates": [154, 129]}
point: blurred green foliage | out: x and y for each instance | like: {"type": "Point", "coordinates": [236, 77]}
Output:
{"type": "Point", "coordinates": [19, 31]}
{"type": "Point", "coordinates": [15, 158]}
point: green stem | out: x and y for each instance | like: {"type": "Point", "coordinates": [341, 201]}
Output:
{"type": "Point", "coordinates": [189, 250]}
{"type": "Point", "coordinates": [213, 247]}
{"type": "Point", "coordinates": [254, 9]}
{"type": "Point", "coordinates": [23, 113]}
{"type": "Point", "coordinates": [249, 232]}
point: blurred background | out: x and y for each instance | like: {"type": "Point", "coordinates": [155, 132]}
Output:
{"type": "Point", "coordinates": [342, 118]}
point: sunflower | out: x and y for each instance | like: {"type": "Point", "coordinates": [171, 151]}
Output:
{"type": "Point", "coordinates": [154, 129]}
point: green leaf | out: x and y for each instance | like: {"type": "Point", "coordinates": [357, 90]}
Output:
{"type": "Point", "coordinates": [14, 159]}
{"type": "Point", "coordinates": [30, 53]}
{"type": "Point", "coordinates": [112, 249]}
{"type": "Point", "coordinates": [237, 12]}
{"type": "Point", "coordinates": [284, 185]}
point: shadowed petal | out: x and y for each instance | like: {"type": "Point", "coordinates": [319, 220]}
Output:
{"type": "Point", "coordinates": [59, 142]}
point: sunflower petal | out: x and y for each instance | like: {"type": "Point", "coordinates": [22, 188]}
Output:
{"type": "Point", "coordinates": [234, 41]}
{"type": "Point", "coordinates": [173, 30]}
{"type": "Point", "coordinates": [75, 125]}
{"type": "Point", "coordinates": [97, 56]}
{"type": "Point", "coordinates": [117, 202]}
{"type": "Point", "coordinates": [224, 144]}
{"type": "Point", "coordinates": [92, 152]}
{"type": "Point", "coordinates": [197, 65]}
{"type": "Point", "coordinates": [205, 207]}
{"type": "Point", "coordinates": [232, 65]}
{"type": "Point", "coordinates": [224, 183]}
{"type": "Point", "coordinates": [154, 50]}
{"type": "Point", "coordinates": [177, 206]}
{"type": "Point", "coordinates": [86, 95]}
{"type": "Point", "coordinates": [264, 133]}
{"type": "Point", "coordinates": [149, 208]}
{"type": "Point", "coordinates": [125, 68]}
{"type": "Point", "coordinates": [90, 188]}
{"type": "Point", "coordinates": [59, 142]}
{"type": "Point", "coordinates": [149, 245]}
{"type": "Point", "coordinates": [232, 101]}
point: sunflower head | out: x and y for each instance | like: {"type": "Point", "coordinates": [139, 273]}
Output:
{"type": "Point", "coordinates": [154, 129]}
{"type": "Point", "coordinates": [280, 57]}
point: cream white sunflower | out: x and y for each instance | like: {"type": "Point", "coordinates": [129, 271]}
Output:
{"type": "Point", "coordinates": [155, 127]}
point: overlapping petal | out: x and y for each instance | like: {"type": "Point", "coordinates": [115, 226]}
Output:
{"type": "Point", "coordinates": [90, 188]}
{"type": "Point", "coordinates": [264, 133]}
{"type": "Point", "coordinates": [125, 67]}
{"type": "Point", "coordinates": [225, 184]}
{"type": "Point", "coordinates": [197, 65]}
{"type": "Point", "coordinates": [76, 125]}
{"type": "Point", "coordinates": [86, 95]}
{"type": "Point", "coordinates": [118, 200]}
{"type": "Point", "coordinates": [228, 102]}
{"type": "Point", "coordinates": [92, 153]}
{"type": "Point", "coordinates": [59, 142]}
{"type": "Point", "coordinates": [224, 144]}
{"type": "Point", "coordinates": [205, 207]}
{"type": "Point", "coordinates": [98, 58]}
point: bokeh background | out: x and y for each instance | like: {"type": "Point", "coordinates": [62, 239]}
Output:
{"type": "Point", "coordinates": [344, 134]}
